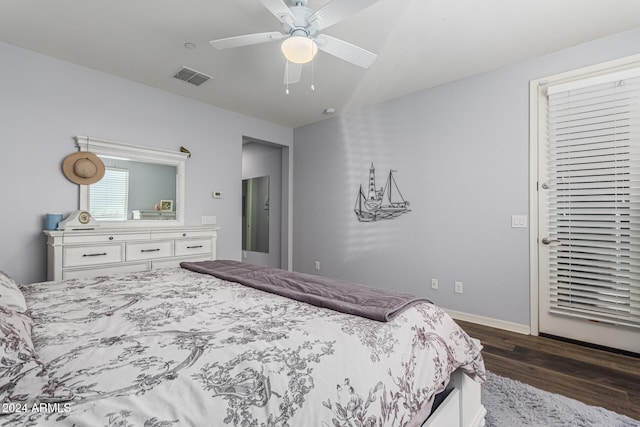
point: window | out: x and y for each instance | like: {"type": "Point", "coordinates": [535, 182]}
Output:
{"type": "Point", "coordinates": [108, 198]}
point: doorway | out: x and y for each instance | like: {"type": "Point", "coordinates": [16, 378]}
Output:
{"type": "Point", "coordinates": [262, 203]}
{"type": "Point", "coordinates": [584, 247]}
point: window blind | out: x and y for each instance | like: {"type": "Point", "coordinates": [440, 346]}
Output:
{"type": "Point", "coordinates": [594, 198]}
{"type": "Point", "coordinates": [108, 198]}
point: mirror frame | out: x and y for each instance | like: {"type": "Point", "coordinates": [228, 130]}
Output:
{"type": "Point", "coordinates": [140, 154]}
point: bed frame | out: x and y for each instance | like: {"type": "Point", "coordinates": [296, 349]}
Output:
{"type": "Point", "coordinates": [462, 406]}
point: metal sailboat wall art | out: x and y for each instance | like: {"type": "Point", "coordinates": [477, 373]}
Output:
{"type": "Point", "coordinates": [384, 203]}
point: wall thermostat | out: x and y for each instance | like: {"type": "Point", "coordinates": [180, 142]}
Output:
{"type": "Point", "coordinates": [217, 194]}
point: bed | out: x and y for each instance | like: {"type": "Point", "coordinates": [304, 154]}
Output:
{"type": "Point", "coordinates": [177, 347]}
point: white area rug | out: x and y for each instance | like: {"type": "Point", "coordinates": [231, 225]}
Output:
{"type": "Point", "coordinates": [511, 403]}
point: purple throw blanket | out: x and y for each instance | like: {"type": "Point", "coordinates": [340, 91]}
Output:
{"type": "Point", "coordinates": [346, 297]}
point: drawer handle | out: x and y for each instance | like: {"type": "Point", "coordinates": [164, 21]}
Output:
{"type": "Point", "coordinates": [194, 247]}
{"type": "Point", "coordinates": [103, 253]}
{"type": "Point", "coordinates": [149, 250]}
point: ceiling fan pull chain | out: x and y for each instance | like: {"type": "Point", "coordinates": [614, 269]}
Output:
{"type": "Point", "coordinates": [312, 85]}
{"type": "Point", "coordinates": [286, 79]}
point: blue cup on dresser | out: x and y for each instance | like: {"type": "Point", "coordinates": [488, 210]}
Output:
{"type": "Point", "coordinates": [52, 220]}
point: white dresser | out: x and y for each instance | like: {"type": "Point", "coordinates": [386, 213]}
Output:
{"type": "Point", "coordinates": [86, 253]}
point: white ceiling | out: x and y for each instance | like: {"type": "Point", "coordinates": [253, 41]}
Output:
{"type": "Point", "coordinates": [420, 43]}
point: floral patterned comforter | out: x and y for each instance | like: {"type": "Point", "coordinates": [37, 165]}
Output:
{"type": "Point", "coordinates": [174, 347]}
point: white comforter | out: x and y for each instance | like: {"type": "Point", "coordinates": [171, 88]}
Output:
{"type": "Point", "coordinates": [178, 348]}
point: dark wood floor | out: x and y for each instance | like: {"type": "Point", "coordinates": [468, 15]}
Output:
{"type": "Point", "coordinates": [595, 377]}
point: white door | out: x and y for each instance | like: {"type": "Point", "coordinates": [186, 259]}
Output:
{"type": "Point", "coordinates": [589, 210]}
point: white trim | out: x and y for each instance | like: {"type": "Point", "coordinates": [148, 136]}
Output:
{"type": "Point", "coordinates": [534, 88]}
{"type": "Point", "coordinates": [289, 223]}
{"type": "Point", "coordinates": [123, 150]}
{"type": "Point", "coordinates": [593, 81]}
{"type": "Point", "coordinates": [489, 321]}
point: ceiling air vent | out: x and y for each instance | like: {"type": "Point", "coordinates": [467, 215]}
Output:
{"type": "Point", "coordinates": [191, 76]}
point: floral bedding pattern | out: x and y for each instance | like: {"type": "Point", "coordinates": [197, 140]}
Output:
{"type": "Point", "coordinates": [173, 347]}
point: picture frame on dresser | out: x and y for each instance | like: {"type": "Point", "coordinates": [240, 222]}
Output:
{"type": "Point", "coordinates": [166, 205]}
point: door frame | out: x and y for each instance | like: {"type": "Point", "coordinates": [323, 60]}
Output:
{"type": "Point", "coordinates": [286, 213]}
{"type": "Point", "coordinates": [536, 112]}
{"type": "Point", "coordinates": [534, 115]}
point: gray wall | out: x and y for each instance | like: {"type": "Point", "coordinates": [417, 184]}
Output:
{"type": "Point", "coordinates": [44, 102]}
{"type": "Point", "coordinates": [461, 152]}
{"type": "Point", "coordinates": [261, 159]}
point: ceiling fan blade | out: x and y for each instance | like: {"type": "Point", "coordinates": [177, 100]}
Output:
{"type": "Point", "coordinates": [247, 40]}
{"type": "Point", "coordinates": [337, 10]}
{"type": "Point", "coordinates": [346, 51]}
{"type": "Point", "coordinates": [280, 10]}
{"type": "Point", "coordinates": [292, 72]}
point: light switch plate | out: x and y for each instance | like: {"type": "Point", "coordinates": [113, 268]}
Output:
{"type": "Point", "coordinates": [518, 221]}
{"type": "Point", "coordinates": [208, 220]}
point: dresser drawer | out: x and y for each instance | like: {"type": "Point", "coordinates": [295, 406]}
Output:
{"type": "Point", "coordinates": [184, 234]}
{"type": "Point", "coordinates": [193, 247]}
{"type": "Point", "coordinates": [149, 250]}
{"type": "Point", "coordinates": [105, 238]}
{"type": "Point", "coordinates": [103, 271]}
{"type": "Point", "coordinates": [175, 262]}
{"type": "Point", "coordinates": [77, 256]}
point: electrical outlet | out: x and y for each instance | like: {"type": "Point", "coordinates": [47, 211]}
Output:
{"type": "Point", "coordinates": [317, 265]}
{"type": "Point", "coordinates": [244, 254]}
{"type": "Point", "coordinates": [434, 283]}
{"type": "Point", "coordinates": [457, 287]}
{"type": "Point", "coordinates": [216, 194]}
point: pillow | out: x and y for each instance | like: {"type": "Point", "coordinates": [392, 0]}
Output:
{"type": "Point", "coordinates": [23, 376]}
{"type": "Point", "coordinates": [10, 295]}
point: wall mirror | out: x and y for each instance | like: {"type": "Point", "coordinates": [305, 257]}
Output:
{"type": "Point", "coordinates": [143, 186]}
{"type": "Point", "coordinates": [255, 214]}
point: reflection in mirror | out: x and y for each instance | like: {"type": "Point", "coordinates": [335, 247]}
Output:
{"type": "Point", "coordinates": [141, 185]}
{"type": "Point", "coordinates": [255, 214]}
{"type": "Point", "coordinates": [132, 190]}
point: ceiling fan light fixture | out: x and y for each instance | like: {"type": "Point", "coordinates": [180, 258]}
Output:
{"type": "Point", "coordinates": [299, 49]}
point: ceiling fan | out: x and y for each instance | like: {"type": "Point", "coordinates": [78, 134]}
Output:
{"type": "Point", "coordinates": [300, 27]}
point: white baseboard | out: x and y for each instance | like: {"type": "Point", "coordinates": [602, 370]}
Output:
{"type": "Point", "coordinates": [491, 322]}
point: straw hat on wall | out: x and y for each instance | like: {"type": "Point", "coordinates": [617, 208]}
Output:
{"type": "Point", "coordinates": [83, 167]}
